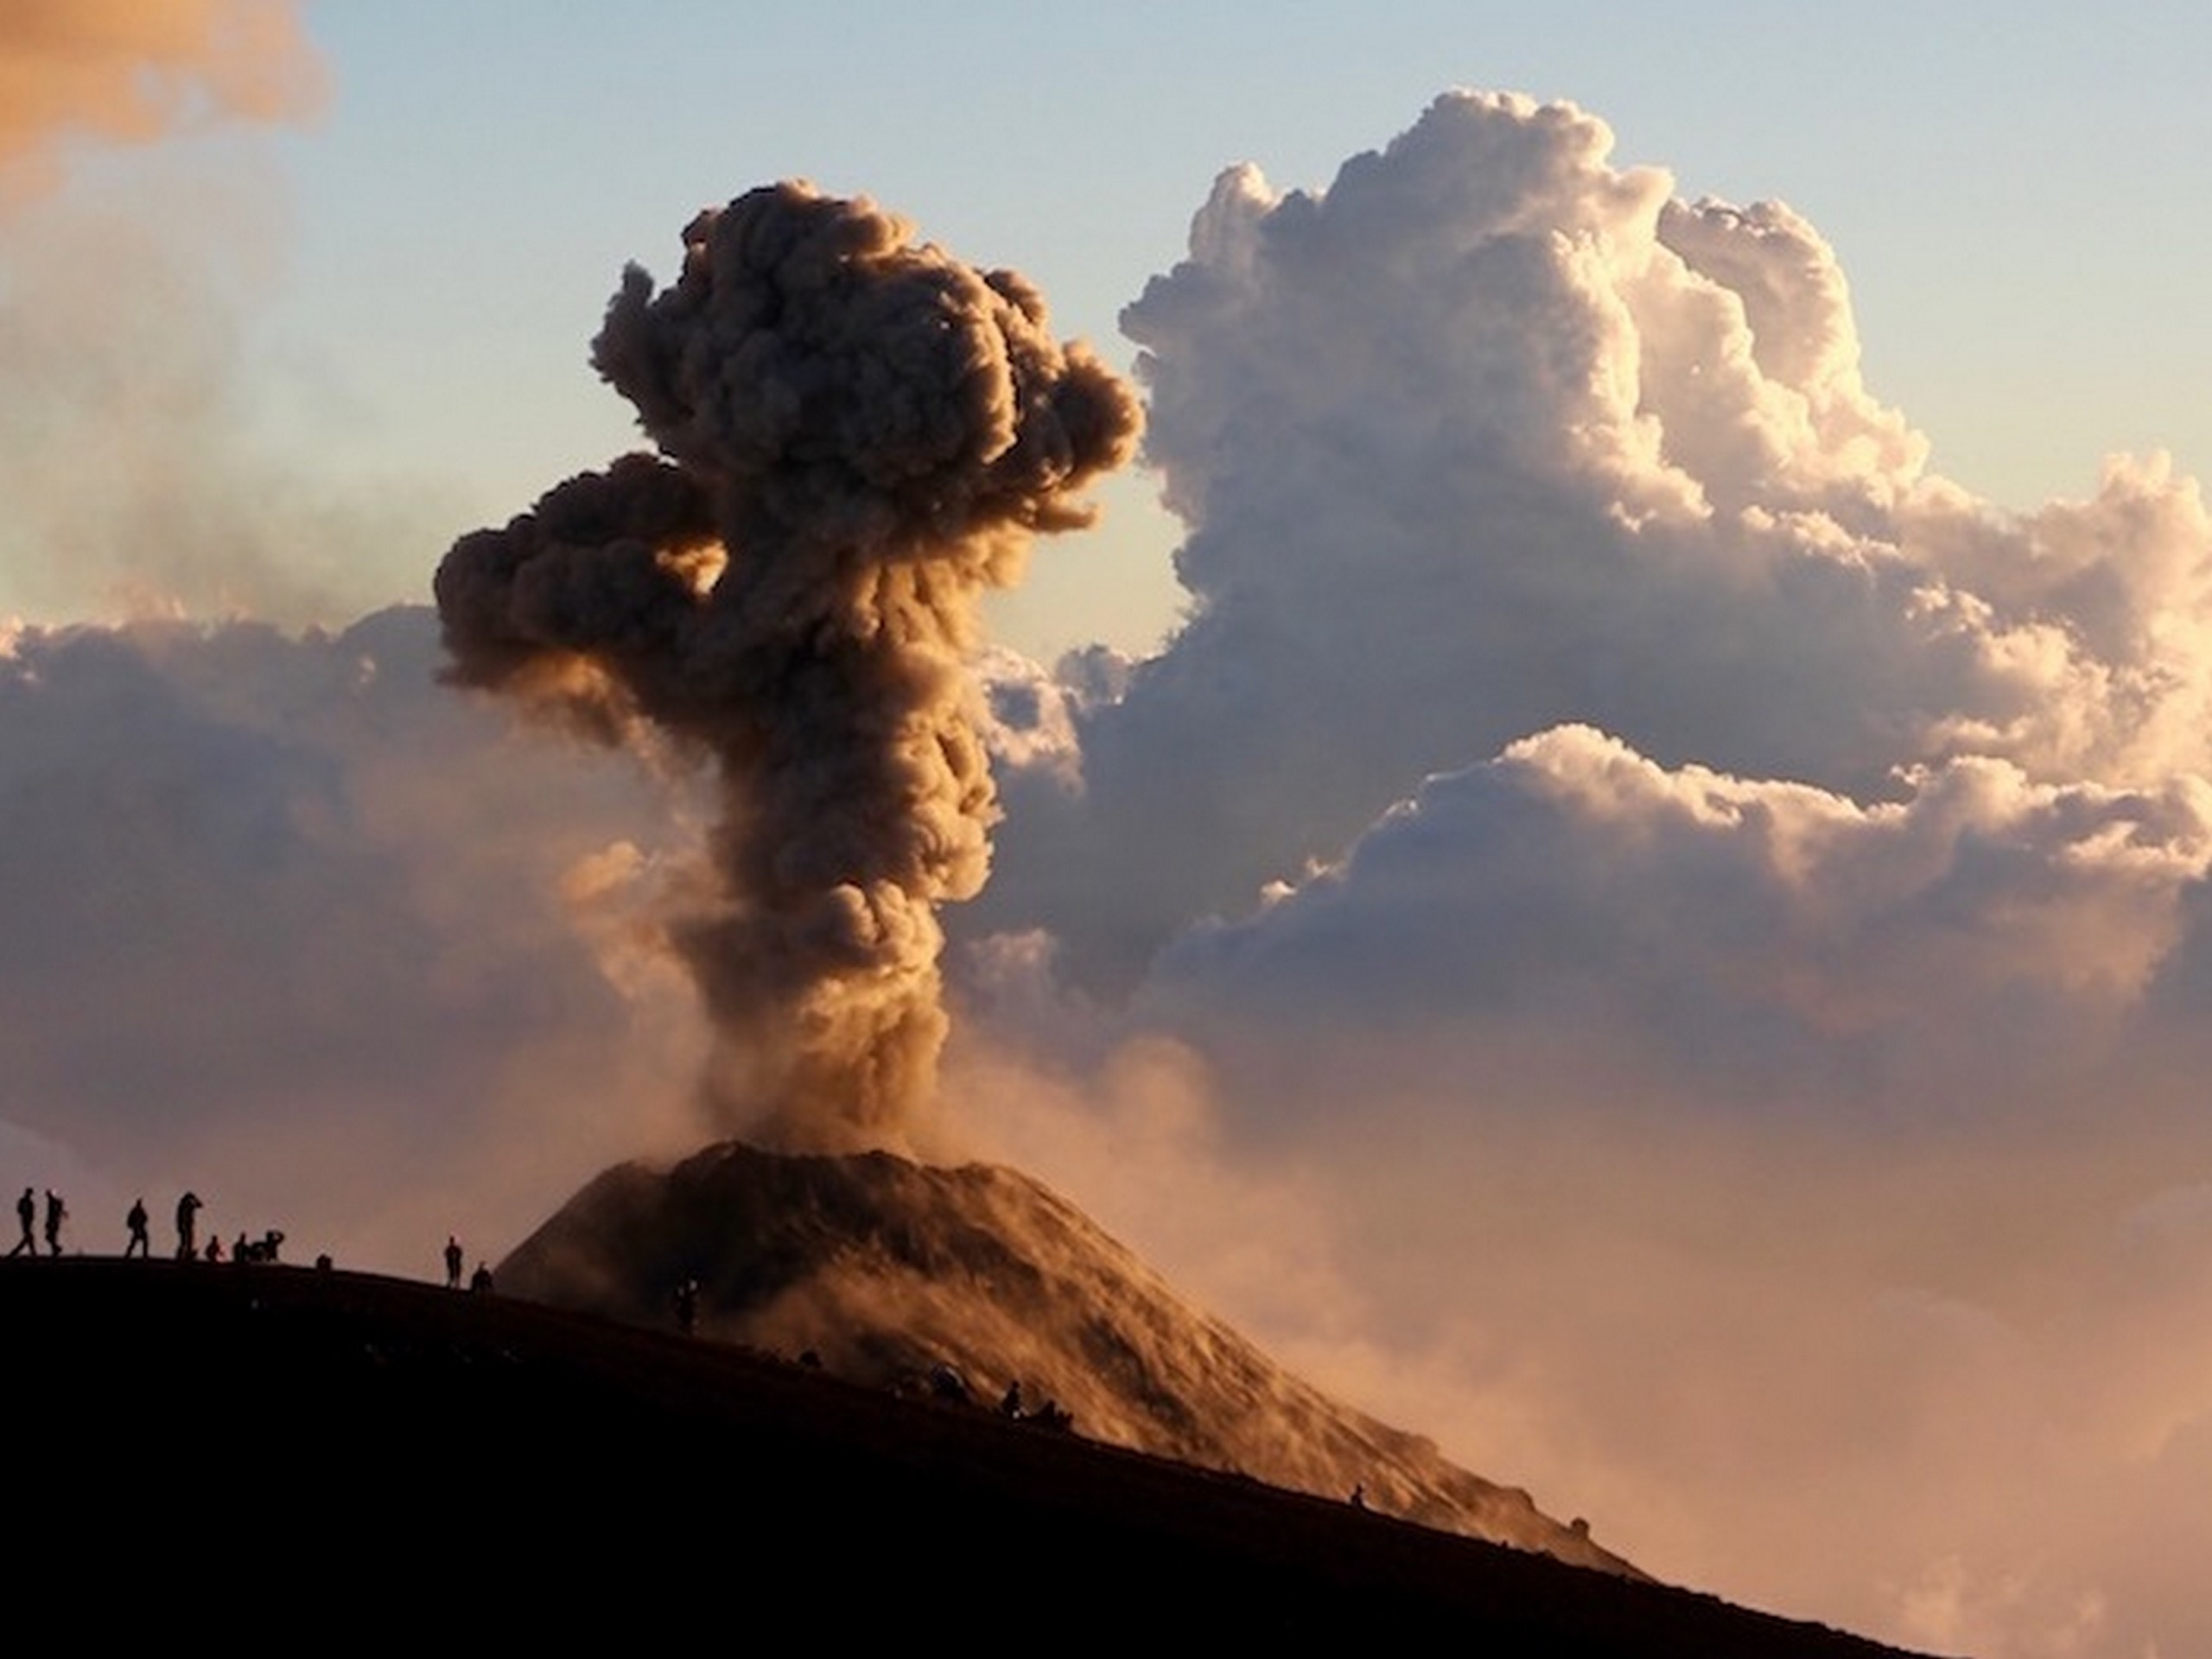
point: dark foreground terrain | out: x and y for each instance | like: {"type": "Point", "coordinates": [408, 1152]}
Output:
{"type": "Point", "coordinates": [337, 1451]}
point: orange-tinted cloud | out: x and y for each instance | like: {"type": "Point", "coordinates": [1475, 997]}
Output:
{"type": "Point", "coordinates": [133, 70]}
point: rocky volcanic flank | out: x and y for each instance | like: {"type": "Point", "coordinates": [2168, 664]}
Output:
{"type": "Point", "coordinates": [887, 1269]}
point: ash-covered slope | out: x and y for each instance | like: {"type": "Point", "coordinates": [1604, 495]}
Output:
{"type": "Point", "coordinates": [887, 1269]}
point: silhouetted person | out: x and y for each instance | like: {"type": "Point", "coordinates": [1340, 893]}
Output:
{"type": "Point", "coordinates": [481, 1278]}
{"type": "Point", "coordinates": [215, 1248]}
{"type": "Point", "coordinates": [686, 1305]}
{"type": "Point", "coordinates": [135, 1221]}
{"type": "Point", "coordinates": [27, 1213]}
{"type": "Point", "coordinates": [453, 1262]}
{"type": "Point", "coordinates": [240, 1251]}
{"type": "Point", "coordinates": [1010, 1402]}
{"type": "Point", "coordinates": [56, 1212]}
{"type": "Point", "coordinates": [187, 1222]}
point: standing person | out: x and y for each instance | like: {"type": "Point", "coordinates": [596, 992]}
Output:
{"type": "Point", "coordinates": [27, 1213]}
{"type": "Point", "coordinates": [56, 1212]}
{"type": "Point", "coordinates": [188, 1222]}
{"type": "Point", "coordinates": [453, 1258]}
{"type": "Point", "coordinates": [139, 1244]}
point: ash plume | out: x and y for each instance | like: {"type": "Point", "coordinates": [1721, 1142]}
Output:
{"type": "Point", "coordinates": [858, 435]}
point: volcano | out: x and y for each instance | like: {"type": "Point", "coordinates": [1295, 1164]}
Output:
{"type": "Point", "coordinates": [967, 1281]}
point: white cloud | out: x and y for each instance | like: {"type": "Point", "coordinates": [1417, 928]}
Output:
{"type": "Point", "coordinates": [1708, 917]}
{"type": "Point", "coordinates": [1491, 437]}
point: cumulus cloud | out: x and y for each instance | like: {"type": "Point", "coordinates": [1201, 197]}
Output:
{"type": "Point", "coordinates": [1719, 925]}
{"type": "Point", "coordinates": [1708, 917]}
{"type": "Point", "coordinates": [1491, 436]}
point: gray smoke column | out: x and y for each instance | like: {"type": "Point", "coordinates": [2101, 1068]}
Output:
{"type": "Point", "coordinates": [859, 435]}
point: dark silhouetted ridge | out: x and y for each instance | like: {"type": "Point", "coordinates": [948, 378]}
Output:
{"type": "Point", "coordinates": [327, 1451]}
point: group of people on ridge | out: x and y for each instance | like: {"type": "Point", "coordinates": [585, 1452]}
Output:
{"type": "Point", "coordinates": [139, 1226]}
{"type": "Point", "coordinates": [138, 1223]}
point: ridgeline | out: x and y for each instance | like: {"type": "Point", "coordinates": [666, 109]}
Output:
{"type": "Point", "coordinates": [249, 1431]}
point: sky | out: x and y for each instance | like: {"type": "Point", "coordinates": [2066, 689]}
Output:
{"type": "Point", "coordinates": [1605, 846]}
{"type": "Point", "coordinates": [425, 255]}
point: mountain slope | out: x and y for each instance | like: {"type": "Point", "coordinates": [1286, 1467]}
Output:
{"type": "Point", "coordinates": [889, 1270]}
{"type": "Point", "coordinates": [289, 1453]}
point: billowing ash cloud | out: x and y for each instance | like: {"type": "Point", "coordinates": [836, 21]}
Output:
{"type": "Point", "coordinates": [133, 70]}
{"type": "Point", "coordinates": [861, 434]}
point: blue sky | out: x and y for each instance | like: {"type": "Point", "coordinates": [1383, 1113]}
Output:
{"type": "Point", "coordinates": [2013, 191]}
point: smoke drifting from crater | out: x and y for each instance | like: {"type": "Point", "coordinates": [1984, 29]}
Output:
{"type": "Point", "coordinates": [859, 435]}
